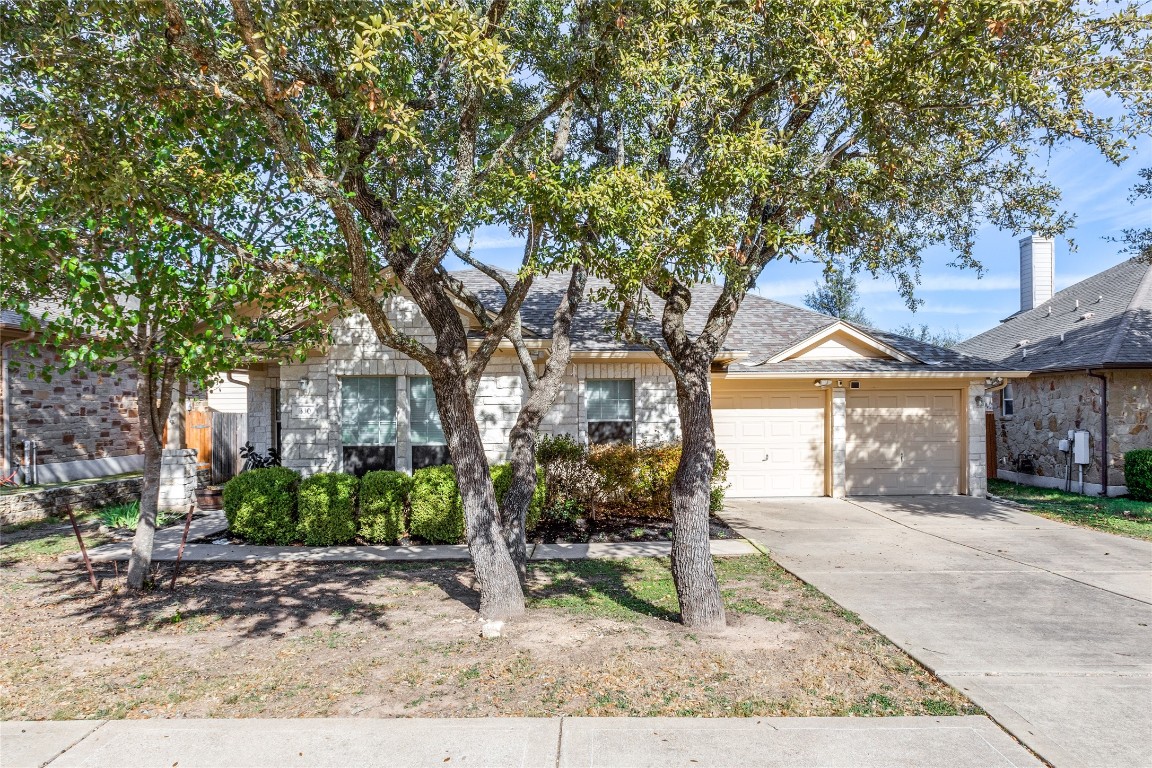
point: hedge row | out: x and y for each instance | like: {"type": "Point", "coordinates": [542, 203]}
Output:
{"type": "Point", "coordinates": [274, 506]}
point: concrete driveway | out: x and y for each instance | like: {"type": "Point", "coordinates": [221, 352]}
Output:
{"type": "Point", "coordinates": [1046, 626]}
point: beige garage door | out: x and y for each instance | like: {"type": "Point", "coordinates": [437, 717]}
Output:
{"type": "Point", "coordinates": [774, 442]}
{"type": "Point", "coordinates": [902, 443]}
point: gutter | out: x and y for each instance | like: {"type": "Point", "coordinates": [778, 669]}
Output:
{"type": "Point", "coordinates": [1103, 430]}
{"type": "Point", "coordinates": [6, 397]}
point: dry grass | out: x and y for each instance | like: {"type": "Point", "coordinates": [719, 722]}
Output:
{"type": "Point", "coordinates": [312, 640]}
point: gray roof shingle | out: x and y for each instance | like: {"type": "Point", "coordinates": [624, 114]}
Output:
{"type": "Point", "coordinates": [763, 328]}
{"type": "Point", "coordinates": [1111, 326]}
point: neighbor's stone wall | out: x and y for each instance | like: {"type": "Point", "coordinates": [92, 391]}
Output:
{"type": "Point", "coordinates": [80, 415]}
{"type": "Point", "coordinates": [310, 395]}
{"type": "Point", "coordinates": [1048, 405]}
{"type": "Point", "coordinates": [39, 503]}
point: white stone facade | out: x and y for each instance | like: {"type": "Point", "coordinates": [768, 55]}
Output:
{"type": "Point", "coordinates": [309, 395]}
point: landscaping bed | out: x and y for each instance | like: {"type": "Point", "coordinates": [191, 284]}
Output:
{"type": "Point", "coordinates": [402, 639]}
{"type": "Point", "coordinates": [1124, 516]}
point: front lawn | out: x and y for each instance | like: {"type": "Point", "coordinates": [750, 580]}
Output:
{"type": "Point", "coordinates": [401, 639]}
{"type": "Point", "coordinates": [45, 540]}
{"type": "Point", "coordinates": [1126, 517]}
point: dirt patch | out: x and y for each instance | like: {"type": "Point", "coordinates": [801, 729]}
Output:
{"type": "Point", "coordinates": [313, 640]}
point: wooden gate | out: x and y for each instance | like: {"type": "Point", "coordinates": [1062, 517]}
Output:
{"type": "Point", "coordinates": [990, 444]}
{"type": "Point", "coordinates": [229, 432]}
{"type": "Point", "coordinates": [198, 436]}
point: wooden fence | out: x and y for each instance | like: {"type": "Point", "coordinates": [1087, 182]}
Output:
{"type": "Point", "coordinates": [229, 433]}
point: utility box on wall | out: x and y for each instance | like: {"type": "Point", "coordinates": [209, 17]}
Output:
{"type": "Point", "coordinates": [1081, 447]}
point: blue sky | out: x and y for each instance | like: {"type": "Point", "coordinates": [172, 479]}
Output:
{"type": "Point", "coordinates": [1094, 190]}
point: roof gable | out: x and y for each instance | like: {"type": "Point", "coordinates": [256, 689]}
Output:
{"type": "Point", "coordinates": [840, 341]}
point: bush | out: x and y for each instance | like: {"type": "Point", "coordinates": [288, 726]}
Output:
{"type": "Point", "coordinates": [638, 480]}
{"type": "Point", "coordinates": [383, 499]}
{"type": "Point", "coordinates": [260, 505]}
{"type": "Point", "coordinates": [502, 481]}
{"type": "Point", "coordinates": [1138, 473]}
{"type": "Point", "coordinates": [435, 512]}
{"type": "Point", "coordinates": [327, 509]}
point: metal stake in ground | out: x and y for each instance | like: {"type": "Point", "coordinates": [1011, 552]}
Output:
{"type": "Point", "coordinates": [183, 541]}
{"type": "Point", "coordinates": [83, 550]}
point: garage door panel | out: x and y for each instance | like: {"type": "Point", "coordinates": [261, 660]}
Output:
{"type": "Point", "coordinates": [903, 443]}
{"type": "Point", "coordinates": [774, 443]}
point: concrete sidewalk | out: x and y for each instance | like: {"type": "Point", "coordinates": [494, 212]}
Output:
{"type": "Point", "coordinates": [166, 550]}
{"type": "Point", "coordinates": [1046, 626]}
{"type": "Point", "coordinates": [818, 742]}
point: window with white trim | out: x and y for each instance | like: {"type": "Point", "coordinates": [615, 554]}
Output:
{"type": "Point", "coordinates": [1007, 401]}
{"type": "Point", "coordinates": [611, 411]}
{"type": "Point", "coordinates": [429, 449]}
{"type": "Point", "coordinates": [368, 423]}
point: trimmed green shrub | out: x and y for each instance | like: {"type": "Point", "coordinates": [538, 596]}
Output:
{"type": "Point", "coordinates": [435, 512]}
{"type": "Point", "coordinates": [383, 499]}
{"type": "Point", "coordinates": [327, 509]}
{"type": "Point", "coordinates": [502, 481]}
{"type": "Point", "coordinates": [638, 480]}
{"type": "Point", "coordinates": [260, 505]}
{"type": "Point", "coordinates": [1138, 473]}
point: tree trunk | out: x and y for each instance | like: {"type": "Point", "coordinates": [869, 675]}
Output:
{"type": "Point", "coordinates": [701, 605]}
{"type": "Point", "coordinates": [141, 558]}
{"type": "Point", "coordinates": [177, 417]}
{"type": "Point", "coordinates": [522, 438]}
{"type": "Point", "coordinates": [501, 596]}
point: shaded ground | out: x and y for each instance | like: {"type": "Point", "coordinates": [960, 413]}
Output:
{"type": "Point", "coordinates": [294, 639]}
{"type": "Point", "coordinates": [618, 529]}
{"type": "Point", "coordinates": [1124, 516]}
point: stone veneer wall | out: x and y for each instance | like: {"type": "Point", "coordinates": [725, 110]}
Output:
{"type": "Point", "coordinates": [1048, 405]}
{"type": "Point", "coordinates": [39, 503]}
{"type": "Point", "coordinates": [79, 415]}
{"type": "Point", "coordinates": [310, 395]}
{"type": "Point", "coordinates": [177, 480]}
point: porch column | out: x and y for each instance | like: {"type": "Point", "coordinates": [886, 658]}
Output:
{"type": "Point", "coordinates": [839, 441]}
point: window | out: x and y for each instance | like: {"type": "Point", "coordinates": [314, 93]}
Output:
{"type": "Point", "coordinates": [428, 446]}
{"type": "Point", "coordinates": [610, 411]}
{"type": "Point", "coordinates": [1007, 400]}
{"type": "Point", "coordinates": [368, 423]}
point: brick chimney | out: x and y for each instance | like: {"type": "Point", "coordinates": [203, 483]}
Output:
{"type": "Point", "coordinates": [1037, 271]}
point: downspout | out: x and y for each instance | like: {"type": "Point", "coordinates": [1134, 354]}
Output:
{"type": "Point", "coordinates": [1103, 430]}
{"type": "Point", "coordinates": [6, 397]}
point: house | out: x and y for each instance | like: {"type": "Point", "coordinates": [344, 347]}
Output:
{"type": "Point", "coordinates": [82, 424]}
{"type": "Point", "coordinates": [805, 405]}
{"type": "Point", "coordinates": [1090, 349]}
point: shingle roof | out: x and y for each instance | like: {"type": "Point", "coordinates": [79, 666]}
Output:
{"type": "Point", "coordinates": [1111, 326]}
{"type": "Point", "coordinates": [763, 328]}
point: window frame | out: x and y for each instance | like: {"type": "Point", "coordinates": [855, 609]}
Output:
{"type": "Point", "coordinates": [369, 456]}
{"type": "Point", "coordinates": [1008, 401]}
{"type": "Point", "coordinates": [424, 453]}
{"type": "Point", "coordinates": [589, 421]}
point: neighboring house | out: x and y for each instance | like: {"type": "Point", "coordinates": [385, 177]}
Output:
{"type": "Point", "coordinates": [805, 405]}
{"type": "Point", "coordinates": [82, 423]}
{"type": "Point", "coordinates": [1090, 350]}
